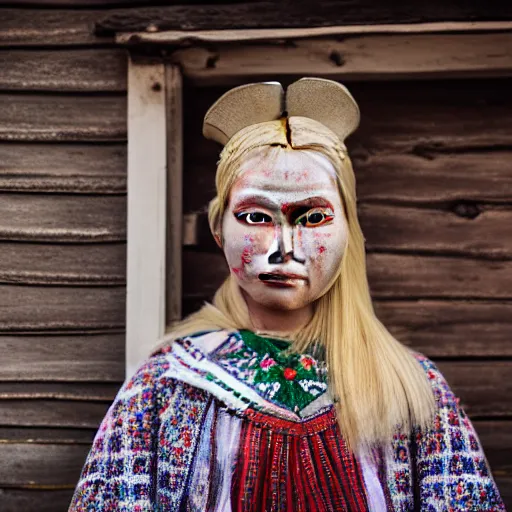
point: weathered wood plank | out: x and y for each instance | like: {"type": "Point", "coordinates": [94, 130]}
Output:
{"type": "Point", "coordinates": [55, 117]}
{"type": "Point", "coordinates": [467, 229]}
{"type": "Point", "coordinates": [484, 176]}
{"type": "Point", "coordinates": [35, 435]}
{"type": "Point", "coordinates": [94, 70]}
{"type": "Point", "coordinates": [93, 357]}
{"type": "Point", "coordinates": [296, 14]}
{"type": "Point", "coordinates": [484, 387]}
{"type": "Point", "coordinates": [44, 404]}
{"type": "Point", "coordinates": [45, 27]}
{"type": "Point", "coordinates": [63, 168]}
{"type": "Point", "coordinates": [38, 308]}
{"type": "Point", "coordinates": [354, 57]}
{"type": "Point", "coordinates": [174, 125]}
{"type": "Point", "coordinates": [453, 115]}
{"type": "Point", "coordinates": [450, 328]}
{"type": "Point", "coordinates": [47, 404]}
{"type": "Point", "coordinates": [55, 466]}
{"type": "Point", "coordinates": [82, 265]}
{"type": "Point", "coordinates": [390, 276]}
{"type": "Point", "coordinates": [35, 500]}
{"type": "Point", "coordinates": [52, 413]}
{"type": "Point", "coordinates": [62, 218]}
{"type": "Point", "coordinates": [70, 391]}
{"type": "Point", "coordinates": [411, 276]}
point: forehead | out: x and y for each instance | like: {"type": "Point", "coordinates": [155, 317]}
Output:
{"type": "Point", "coordinates": [285, 172]}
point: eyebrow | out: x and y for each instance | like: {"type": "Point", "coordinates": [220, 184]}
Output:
{"type": "Point", "coordinates": [310, 202]}
{"type": "Point", "coordinates": [255, 200]}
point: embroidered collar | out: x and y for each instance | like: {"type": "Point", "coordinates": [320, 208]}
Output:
{"type": "Point", "coordinates": [267, 365]}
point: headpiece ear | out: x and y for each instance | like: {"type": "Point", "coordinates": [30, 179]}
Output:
{"type": "Point", "coordinates": [241, 107]}
{"type": "Point", "coordinates": [325, 101]}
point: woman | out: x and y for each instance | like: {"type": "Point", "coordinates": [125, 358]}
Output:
{"type": "Point", "coordinates": [286, 394]}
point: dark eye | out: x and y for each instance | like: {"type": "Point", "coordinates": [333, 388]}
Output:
{"type": "Point", "coordinates": [315, 217]}
{"type": "Point", "coordinates": [254, 217]}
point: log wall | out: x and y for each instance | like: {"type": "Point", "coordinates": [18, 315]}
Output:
{"type": "Point", "coordinates": [432, 159]}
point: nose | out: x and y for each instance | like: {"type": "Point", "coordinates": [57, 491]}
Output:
{"type": "Point", "coordinates": [285, 247]}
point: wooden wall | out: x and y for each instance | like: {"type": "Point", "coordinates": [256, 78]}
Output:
{"type": "Point", "coordinates": [432, 161]}
{"type": "Point", "coordinates": [62, 248]}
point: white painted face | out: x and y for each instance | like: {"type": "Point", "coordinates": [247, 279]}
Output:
{"type": "Point", "coordinates": [284, 229]}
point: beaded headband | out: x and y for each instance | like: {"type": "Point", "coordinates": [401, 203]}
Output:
{"type": "Point", "coordinates": [325, 101]}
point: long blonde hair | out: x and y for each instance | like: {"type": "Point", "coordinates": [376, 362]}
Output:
{"type": "Point", "coordinates": [377, 383]}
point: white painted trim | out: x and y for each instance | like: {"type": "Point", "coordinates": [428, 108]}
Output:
{"type": "Point", "coordinates": [147, 189]}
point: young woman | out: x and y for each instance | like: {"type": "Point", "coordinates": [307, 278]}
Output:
{"type": "Point", "coordinates": [287, 393]}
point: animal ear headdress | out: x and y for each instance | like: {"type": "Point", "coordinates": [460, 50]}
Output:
{"type": "Point", "coordinates": [325, 101]}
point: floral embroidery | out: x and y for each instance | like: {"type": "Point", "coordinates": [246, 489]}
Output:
{"type": "Point", "coordinates": [290, 380]}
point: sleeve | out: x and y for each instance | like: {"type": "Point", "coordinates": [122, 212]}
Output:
{"type": "Point", "coordinates": [118, 474]}
{"type": "Point", "coordinates": [452, 472]}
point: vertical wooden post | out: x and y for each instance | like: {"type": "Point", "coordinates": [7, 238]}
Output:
{"type": "Point", "coordinates": [147, 210]}
{"type": "Point", "coordinates": [174, 109]}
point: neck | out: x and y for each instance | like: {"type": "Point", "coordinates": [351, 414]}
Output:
{"type": "Point", "coordinates": [279, 321]}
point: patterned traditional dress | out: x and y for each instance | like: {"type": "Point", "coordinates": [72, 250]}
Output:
{"type": "Point", "coordinates": [231, 422]}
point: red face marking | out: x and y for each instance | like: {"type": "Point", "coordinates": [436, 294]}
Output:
{"type": "Point", "coordinates": [247, 255]}
{"type": "Point", "coordinates": [312, 202]}
{"type": "Point", "coordinates": [302, 176]}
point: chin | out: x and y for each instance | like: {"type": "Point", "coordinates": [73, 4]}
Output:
{"type": "Point", "coordinates": [283, 299]}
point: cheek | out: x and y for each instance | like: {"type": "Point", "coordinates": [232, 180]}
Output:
{"type": "Point", "coordinates": [241, 244]}
{"type": "Point", "coordinates": [317, 245]}
{"type": "Point", "coordinates": [324, 249]}
{"type": "Point", "coordinates": [262, 239]}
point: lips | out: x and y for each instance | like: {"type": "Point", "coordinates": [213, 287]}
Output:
{"type": "Point", "coordinates": [280, 278]}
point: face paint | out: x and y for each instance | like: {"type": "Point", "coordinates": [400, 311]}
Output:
{"type": "Point", "coordinates": [284, 230]}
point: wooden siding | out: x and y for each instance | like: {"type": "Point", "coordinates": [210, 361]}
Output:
{"type": "Point", "coordinates": [432, 159]}
{"type": "Point", "coordinates": [62, 248]}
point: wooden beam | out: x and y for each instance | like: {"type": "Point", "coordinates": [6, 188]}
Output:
{"type": "Point", "coordinates": [197, 37]}
{"type": "Point", "coordinates": [358, 57]}
{"type": "Point", "coordinates": [174, 110]}
{"type": "Point", "coordinates": [147, 211]}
